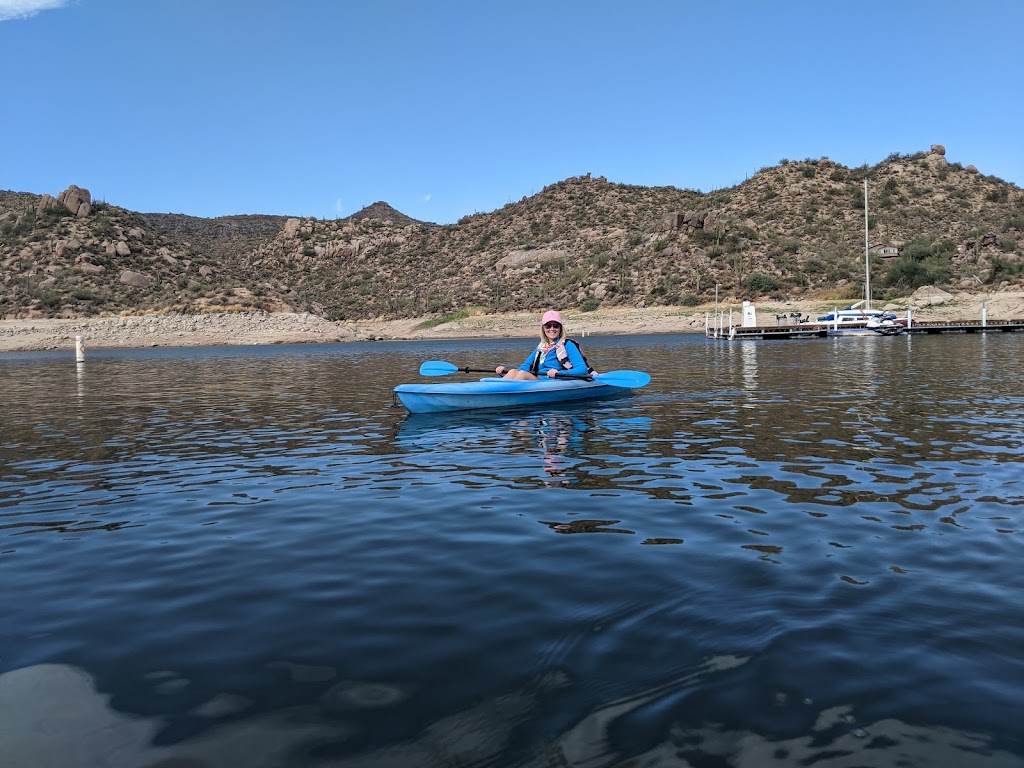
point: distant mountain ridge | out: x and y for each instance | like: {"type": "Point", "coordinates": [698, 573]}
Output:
{"type": "Point", "coordinates": [795, 229]}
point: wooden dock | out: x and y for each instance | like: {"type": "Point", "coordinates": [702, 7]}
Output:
{"type": "Point", "coordinates": [821, 330]}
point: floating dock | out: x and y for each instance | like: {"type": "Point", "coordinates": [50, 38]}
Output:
{"type": "Point", "coordinates": [716, 327]}
{"type": "Point", "coordinates": [821, 330]}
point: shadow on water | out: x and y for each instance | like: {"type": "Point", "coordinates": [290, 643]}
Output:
{"type": "Point", "coordinates": [510, 728]}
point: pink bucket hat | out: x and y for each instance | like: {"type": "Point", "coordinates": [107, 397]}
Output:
{"type": "Point", "coordinates": [551, 317]}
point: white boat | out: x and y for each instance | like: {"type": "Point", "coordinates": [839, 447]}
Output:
{"type": "Point", "coordinates": [856, 321]}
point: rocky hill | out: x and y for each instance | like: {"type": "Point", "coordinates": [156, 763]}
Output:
{"type": "Point", "coordinates": [794, 230]}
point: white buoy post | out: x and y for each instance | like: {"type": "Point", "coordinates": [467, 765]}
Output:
{"type": "Point", "coordinates": [79, 349]}
{"type": "Point", "coordinates": [984, 314]}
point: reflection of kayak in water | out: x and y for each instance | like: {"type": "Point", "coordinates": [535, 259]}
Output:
{"type": "Point", "coordinates": [497, 392]}
{"type": "Point", "coordinates": [559, 430]}
{"type": "Point", "coordinates": [491, 441]}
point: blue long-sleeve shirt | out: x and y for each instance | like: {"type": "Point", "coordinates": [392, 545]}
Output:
{"type": "Point", "coordinates": [550, 360]}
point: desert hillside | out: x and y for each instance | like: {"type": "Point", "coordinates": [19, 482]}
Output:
{"type": "Point", "coordinates": [792, 232]}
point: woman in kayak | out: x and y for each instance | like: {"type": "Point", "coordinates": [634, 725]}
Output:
{"type": "Point", "coordinates": [552, 355]}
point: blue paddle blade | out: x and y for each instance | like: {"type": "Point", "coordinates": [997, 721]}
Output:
{"type": "Point", "coordinates": [631, 379]}
{"type": "Point", "coordinates": [437, 368]}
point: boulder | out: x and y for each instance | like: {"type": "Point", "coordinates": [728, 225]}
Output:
{"type": "Point", "coordinates": [46, 202]}
{"type": "Point", "coordinates": [669, 222]}
{"type": "Point", "coordinates": [694, 219]}
{"type": "Point", "coordinates": [134, 279]}
{"type": "Point", "coordinates": [928, 295]}
{"type": "Point", "coordinates": [122, 249]}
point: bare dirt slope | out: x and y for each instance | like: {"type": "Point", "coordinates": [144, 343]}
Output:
{"type": "Point", "coordinates": [179, 330]}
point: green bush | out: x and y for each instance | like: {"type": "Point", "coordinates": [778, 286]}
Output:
{"type": "Point", "coordinates": [908, 274]}
{"type": "Point", "coordinates": [758, 283]}
{"type": "Point", "coordinates": [589, 305]}
{"type": "Point", "coordinates": [1003, 269]}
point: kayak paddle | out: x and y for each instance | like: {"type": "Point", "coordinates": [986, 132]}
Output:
{"type": "Point", "coordinates": [630, 379]}
{"type": "Point", "coordinates": [441, 368]}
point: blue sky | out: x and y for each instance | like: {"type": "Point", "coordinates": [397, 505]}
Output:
{"type": "Point", "coordinates": [444, 109]}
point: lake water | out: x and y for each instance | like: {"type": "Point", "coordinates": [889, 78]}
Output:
{"type": "Point", "coordinates": [776, 554]}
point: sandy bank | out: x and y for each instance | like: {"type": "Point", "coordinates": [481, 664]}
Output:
{"type": "Point", "coordinates": [177, 330]}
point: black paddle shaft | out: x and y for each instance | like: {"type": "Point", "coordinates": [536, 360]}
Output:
{"type": "Point", "coordinates": [584, 376]}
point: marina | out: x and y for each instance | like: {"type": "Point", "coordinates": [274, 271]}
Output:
{"type": "Point", "coordinates": [825, 330]}
{"type": "Point", "coordinates": [858, 319]}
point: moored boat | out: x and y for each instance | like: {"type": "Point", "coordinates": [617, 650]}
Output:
{"type": "Point", "coordinates": [854, 321]}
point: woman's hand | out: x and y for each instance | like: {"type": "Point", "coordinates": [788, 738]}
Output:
{"type": "Point", "coordinates": [552, 372]}
{"type": "Point", "coordinates": [500, 370]}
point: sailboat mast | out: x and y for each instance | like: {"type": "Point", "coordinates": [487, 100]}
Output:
{"type": "Point", "coordinates": [867, 264]}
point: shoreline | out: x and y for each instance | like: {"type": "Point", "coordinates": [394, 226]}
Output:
{"type": "Point", "coordinates": [264, 328]}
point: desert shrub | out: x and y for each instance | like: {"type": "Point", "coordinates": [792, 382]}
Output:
{"type": "Point", "coordinates": [48, 298]}
{"type": "Point", "coordinates": [908, 274]}
{"type": "Point", "coordinates": [590, 304]}
{"type": "Point", "coordinates": [758, 283]}
{"type": "Point", "coordinates": [1014, 222]}
{"type": "Point", "coordinates": [1003, 269]}
{"type": "Point", "coordinates": [449, 318]}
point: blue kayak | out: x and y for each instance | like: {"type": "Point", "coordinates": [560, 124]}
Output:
{"type": "Point", "coordinates": [496, 392]}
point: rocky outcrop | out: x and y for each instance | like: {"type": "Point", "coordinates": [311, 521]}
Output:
{"type": "Point", "coordinates": [77, 200]}
{"type": "Point", "coordinates": [74, 199]}
{"type": "Point", "coordinates": [929, 295]}
{"type": "Point", "coordinates": [688, 220]}
{"type": "Point", "coordinates": [520, 258]}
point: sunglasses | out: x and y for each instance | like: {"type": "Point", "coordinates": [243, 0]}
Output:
{"type": "Point", "coordinates": [552, 325]}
